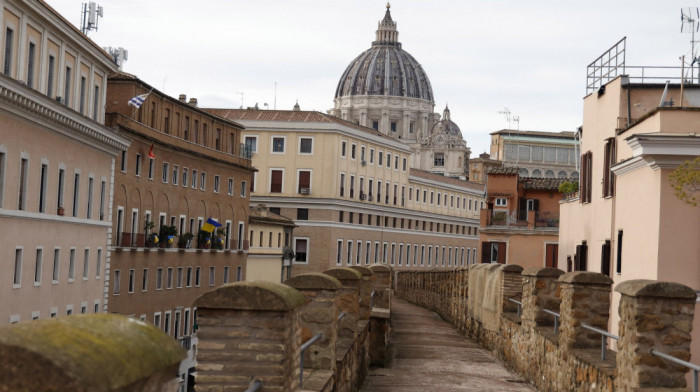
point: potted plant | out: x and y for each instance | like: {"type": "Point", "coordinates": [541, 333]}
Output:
{"type": "Point", "coordinates": [152, 239]}
{"type": "Point", "coordinates": [218, 240]}
{"type": "Point", "coordinates": [184, 240]}
{"type": "Point", "coordinates": [203, 239]}
{"type": "Point", "coordinates": [167, 235]}
{"type": "Point", "coordinates": [60, 210]}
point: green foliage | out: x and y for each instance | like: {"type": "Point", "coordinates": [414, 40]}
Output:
{"type": "Point", "coordinates": [183, 239]}
{"type": "Point", "coordinates": [166, 230]}
{"type": "Point", "coordinates": [685, 181]}
{"type": "Point", "coordinates": [568, 187]}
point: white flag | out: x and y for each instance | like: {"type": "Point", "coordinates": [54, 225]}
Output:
{"type": "Point", "coordinates": [138, 100]}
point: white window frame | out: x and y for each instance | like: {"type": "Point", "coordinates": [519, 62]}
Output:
{"type": "Point", "coordinates": [255, 150]}
{"type": "Point", "coordinates": [269, 176]}
{"type": "Point", "coordinates": [501, 202]}
{"type": "Point", "coordinates": [272, 144]}
{"type": "Point", "coordinates": [296, 185]}
{"type": "Point", "coordinates": [308, 248]}
{"type": "Point", "coordinates": [299, 145]}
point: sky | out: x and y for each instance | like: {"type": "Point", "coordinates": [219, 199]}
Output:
{"type": "Point", "coordinates": [482, 57]}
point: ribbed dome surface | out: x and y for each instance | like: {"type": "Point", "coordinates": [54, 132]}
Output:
{"type": "Point", "coordinates": [385, 70]}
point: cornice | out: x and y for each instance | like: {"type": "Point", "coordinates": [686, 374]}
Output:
{"type": "Point", "coordinates": [628, 166]}
{"type": "Point", "coordinates": [32, 106]}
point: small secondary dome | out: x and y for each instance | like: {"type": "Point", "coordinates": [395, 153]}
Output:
{"type": "Point", "coordinates": [446, 125]}
{"type": "Point", "coordinates": [385, 69]}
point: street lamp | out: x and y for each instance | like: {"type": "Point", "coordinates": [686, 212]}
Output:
{"type": "Point", "coordinates": [287, 257]}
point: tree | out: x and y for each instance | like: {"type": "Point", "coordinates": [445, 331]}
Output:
{"type": "Point", "coordinates": [685, 181]}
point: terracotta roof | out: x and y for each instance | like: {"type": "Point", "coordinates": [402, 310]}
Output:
{"type": "Point", "coordinates": [262, 214]}
{"type": "Point", "coordinates": [290, 116]}
{"type": "Point", "coordinates": [502, 170]}
{"type": "Point", "coordinates": [448, 180]}
{"type": "Point", "coordinates": [563, 134]}
{"type": "Point", "coordinates": [547, 184]}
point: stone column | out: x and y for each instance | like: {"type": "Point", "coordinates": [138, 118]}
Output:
{"type": "Point", "coordinates": [365, 291]}
{"type": "Point", "coordinates": [585, 298]}
{"type": "Point", "coordinates": [382, 288]}
{"type": "Point", "coordinates": [248, 330]}
{"type": "Point", "coordinates": [349, 300]}
{"type": "Point", "coordinates": [653, 315]}
{"type": "Point", "coordinates": [511, 286]}
{"type": "Point", "coordinates": [540, 288]}
{"type": "Point", "coordinates": [318, 315]}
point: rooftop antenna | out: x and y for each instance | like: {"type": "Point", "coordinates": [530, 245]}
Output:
{"type": "Point", "coordinates": [506, 113]}
{"type": "Point", "coordinates": [89, 16]}
{"type": "Point", "coordinates": [516, 120]}
{"type": "Point", "coordinates": [692, 19]}
{"type": "Point", "coordinates": [120, 55]}
{"type": "Point", "coordinates": [241, 94]}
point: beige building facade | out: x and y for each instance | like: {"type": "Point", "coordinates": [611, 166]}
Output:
{"type": "Point", "coordinates": [625, 220]}
{"type": "Point", "coordinates": [353, 195]}
{"type": "Point", "coordinates": [57, 164]}
{"type": "Point", "coordinates": [270, 254]}
{"type": "Point", "coordinates": [537, 154]}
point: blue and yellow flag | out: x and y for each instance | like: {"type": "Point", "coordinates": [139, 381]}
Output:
{"type": "Point", "coordinates": [210, 225]}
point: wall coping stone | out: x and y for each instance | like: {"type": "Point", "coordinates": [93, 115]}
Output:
{"type": "Point", "coordinates": [314, 281]}
{"type": "Point", "coordinates": [344, 274]}
{"type": "Point", "coordinates": [363, 270]}
{"type": "Point", "coordinates": [254, 295]}
{"type": "Point", "coordinates": [379, 268]}
{"type": "Point", "coordinates": [107, 352]}
{"type": "Point", "coordinates": [512, 268]}
{"type": "Point", "coordinates": [585, 277]}
{"type": "Point", "coordinates": [542, 271]}
{"type": "Point", "coordinates": [653, 288]}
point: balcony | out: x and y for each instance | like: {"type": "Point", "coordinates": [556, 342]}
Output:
{"type": "Point", "coordinates": [533, 219]}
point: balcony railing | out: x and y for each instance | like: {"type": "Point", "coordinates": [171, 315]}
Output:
{"type": "Point", "coordinates": [546, 219]}
{"type": "Point", "coordinates": [532, 219]}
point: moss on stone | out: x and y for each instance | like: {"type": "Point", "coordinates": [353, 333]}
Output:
{"type": "Point", "coordinates": [314, 281]}
{"type": "Point", "coordinates": [252, 296]}
{"type": "Point", "coordinates": [344, 274]}
{"type": "Point", "coordinates": [98, 352]}
{"type": "Point", "coordinates": [363, 270]}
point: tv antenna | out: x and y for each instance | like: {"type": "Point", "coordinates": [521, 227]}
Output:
{"type": "Point", "coordinates": [506, 113]}
{"type": "Point", "coordinates": [691, 19]}
{"type": "Point", "coordinates": [89, 17]}
{"type": "Point", "coordinates": [241, 94]}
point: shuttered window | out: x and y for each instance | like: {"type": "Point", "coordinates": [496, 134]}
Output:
{"type": "Point", "coordinates": [276, 181]}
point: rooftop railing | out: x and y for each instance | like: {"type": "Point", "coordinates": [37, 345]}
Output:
{"type": "Point", "coordinates": [691, 366]}
{"type": "Point", "coordinates": [303, 349]}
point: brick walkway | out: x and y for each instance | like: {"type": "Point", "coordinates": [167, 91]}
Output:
{"type": "Point", "coordinates": [429, 354]}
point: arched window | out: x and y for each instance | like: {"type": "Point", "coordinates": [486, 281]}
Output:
{"type": "Point", "coordinates": [537, 173]}
{"type": "Point", "coordinates": [523, 173]}
{"type": "Point", "coordinates": [574, 175]}
{"type": "Point", "coordinates": [562, 174]}
{"type": "Point", "coordinates": [549, 174]}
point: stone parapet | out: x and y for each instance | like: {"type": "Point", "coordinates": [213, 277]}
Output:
{"type": "Point", "coordinates": [318, 315]}
{"type": "Point", "coordinates": [653, 315]}
{"type": "Point", "coordinates": [96, 352]}
{"type": "Point", "coordinates": [585, 299]}
{"type": "Point", "coordinates": [348, 300]}
{"type": "Point", "coordinates": [540, 291]}
{"type": "Point", "coordinates": [382, 284]}
{"type": "Point", "coordinates": [249, 330]}
{"type": "Point", "coordinates": [366, 291]}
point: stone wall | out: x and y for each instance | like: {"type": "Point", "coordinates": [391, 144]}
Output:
{"type": "Point", "coordinates": [653, 314]}
{"type": "Point", "coordinates": [257, 332]}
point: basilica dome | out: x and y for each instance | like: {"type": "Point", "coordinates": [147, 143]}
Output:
{"type": "Point", "coordinates": [385, 69]}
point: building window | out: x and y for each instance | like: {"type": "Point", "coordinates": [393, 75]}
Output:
{"type": "Point", "coordinates": [86, 264]}
{"type": "Point", "coordinates": [306, 145]}
{"type": "Point", "coordinates": [371, 156]}
{"type": "Point", "coordinates": [67, 89]}
{"type": "Point", "coordinates": [353, 150]}
{"type": "Point", "coordinates": [251, 144]}
{"type": "Point", "coordinates": [375, 125]}
{"type": "Point", "coordinates": [380, 158]}
{"type": "Point", "coordinates": [76, 193]}
{"type": "Point", "coordinates": [203, 181]}
{"type": "Point", "coordinates": [278, 144]}
{"type": "Point", "coordinates": [184, 176]}
{"type": "Point", "coordinates": [302, 214]}
{"type": "Point", "coordinates": [83, 87]}
{"type": "Point", "coordinates": [243, 188]}
{"type": "Point", "coordinates": [608, 161]}
{"type": "Point", "coordinates": [117, 282]}
{"type": "Point", "coordinates": [343, 148]}
{"type": "Point", "coordinates": [98, 266]}
{"type": "Point", "coordinates": [31, 57]}
{"type": "Point", "coordinates": [216, 184]}
{"type": "Point", "coordinates": [339, 253]}
{"type": "Point", "coordinates": [301, 249]}
{"type": "Point", "coordinates": [212, 275]}
{"type": "Point", "coordinates": [276, 180]}
{"type": "Point", "coordinates": [404, 164]}
{"type": "Point", "coordinates": [586, 177]}
{"type": "Point", "coordinates": [439, 159]}
{"type": "Point", "coordinates": [304, 182]}
{"type": "Point", "coordinates": [388, 160]}
{"type": "Point", "coordinates": [362, 155]}
{"type": "Point", "coordinates": [618, 267]}
{"type": "Point", "coordinates": [393, 126]}
{"type": "Point", "coordinates": [230, 186]}
{"type": "Point", "coordinates": [9, 41]}
{"type": "Point", "coordinates": [349, 258]}
{"type": "Point", "coordinates": [501, 202]}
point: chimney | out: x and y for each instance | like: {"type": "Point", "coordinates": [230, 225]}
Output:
{"type": "Point", "coordinates": [183, 98]}
{"type": "Point", "coordinates": [193, 102]}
